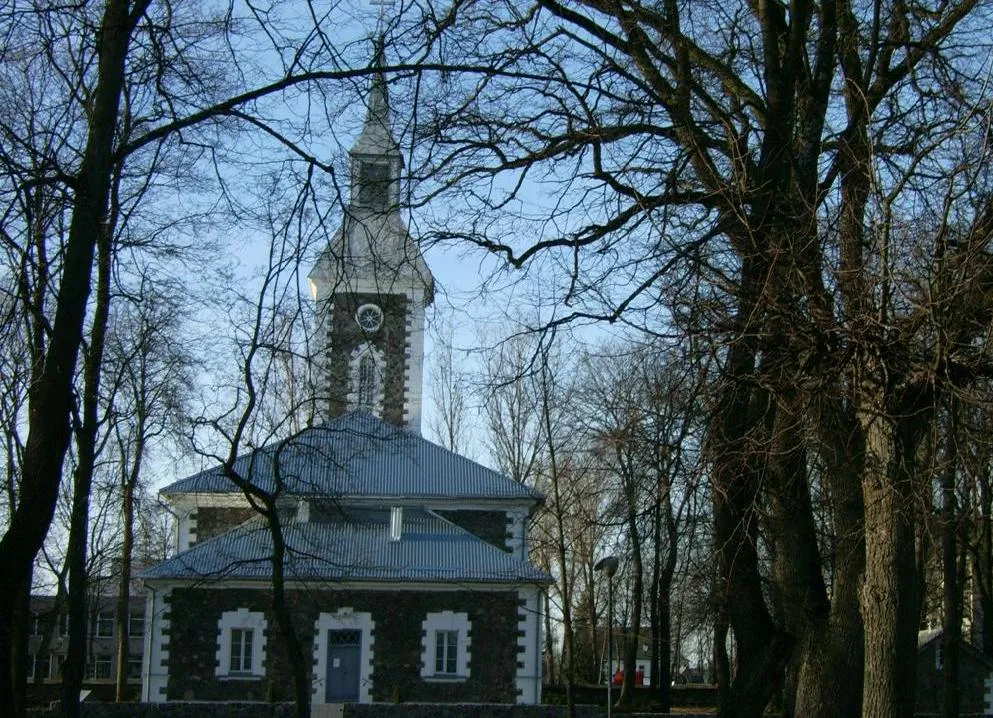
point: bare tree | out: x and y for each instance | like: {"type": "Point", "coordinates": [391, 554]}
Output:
{"type": "Point", "coordinates": [761, 165]}
{"type": "Point", "coordinates": [448, 390]}
{"type": "Point", "coordinates": [151, 376]}
{"type": "Point", "coordinates": [134, 89]}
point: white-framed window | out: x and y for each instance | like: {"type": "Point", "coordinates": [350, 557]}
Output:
{"type": "Point", "coordinates": [241, 644]}
{"type": "Point", "coordinates": [105, 625]}
{"type": "Point", "coordinates": [136, 624]}
{"type": "Point", "coordinates": [99, 667]}
{"type": "Point", "coordinates": [241, 651]}
{"type": "Point", "coordinates": [53, 666]}
{"type": "Point", "coordinates": [367, 383]}
{"type": "Point", "coordinates": [365, 371]}
{"type": "Point", "coordinates": [445, 646]}
{"type": "Point", "coordinates": [134, 669]}
{"type": "Point", "coordinates": [446, 652]}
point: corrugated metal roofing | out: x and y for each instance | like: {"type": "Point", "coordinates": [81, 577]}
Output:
{"type": "Point", "coordinates": [358, 455]}
{"type": "Point", "coordinates": [356, 547]}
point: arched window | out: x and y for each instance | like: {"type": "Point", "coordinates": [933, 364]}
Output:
{"type": "Point", "coordinates": [365, 378]}
{"type": "Point", "coordinates": [367, 383]}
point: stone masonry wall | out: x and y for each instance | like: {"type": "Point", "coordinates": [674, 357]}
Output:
{"type": "Point", "coordinates": [193, 643]}
{"type": "Point", "coordinates": [215, 520]}
{"type": "Point", "coordinates": [391, 338]}
{"type": "Point", "coordinates": [491, 526]}
{"type": "Point", "coordinates": [285, 710]}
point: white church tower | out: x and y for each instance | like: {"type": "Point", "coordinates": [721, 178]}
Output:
{"type": "Point", "coordinates": [372, 286]}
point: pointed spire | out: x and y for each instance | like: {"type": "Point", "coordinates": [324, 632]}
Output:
{"type": "Point", "coordinates": [376, 138]}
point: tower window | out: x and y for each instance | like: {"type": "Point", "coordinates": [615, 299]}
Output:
{"type": "Point", "coordinates": [374, 182]}
{"type": "Point", "coordinates": [367, 383]}
{"type": "Point", "coordinates": [365, 379]}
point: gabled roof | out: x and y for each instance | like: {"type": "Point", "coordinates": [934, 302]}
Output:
{"type": "Point", "coordinates": [357, 455]}
{"type": "Point", "coordinates": [926, 637]}
{"type": "Point", "coordinates": [355, 547]}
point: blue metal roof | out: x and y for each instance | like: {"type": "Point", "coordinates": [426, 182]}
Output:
{"type": "Point", "coordinates": [358, 455]}
{"type": "Point", "coordinates": [355, 546]}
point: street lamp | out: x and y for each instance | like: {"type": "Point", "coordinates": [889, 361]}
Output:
{"type": "Point", "coordinates": [608, 564]}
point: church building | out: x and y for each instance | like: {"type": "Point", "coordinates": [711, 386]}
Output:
{"type": "Point", "coordinates": [406, 564]}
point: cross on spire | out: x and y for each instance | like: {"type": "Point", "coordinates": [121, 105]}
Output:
{"type": "Point", "coordinates": [380, 20]}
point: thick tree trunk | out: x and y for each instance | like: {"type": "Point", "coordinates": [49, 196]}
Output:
{"type": "Point", "coordinates": [86, 445]}
{"type": "Point", "coordinates": [828, 686]}
{"type": "Point", "coordinates": [952, 603]}
{"type": "Point", "coordinates": [19, 646]}
{"type": "Point", "coordinates": [51, 396]}
{"type": "Point", "coordinates": [734, 443]}
{"type": "Point", "coordinates": [889, 595]}
{"type": "Point", "coordinates": [75, 661]}
{"type": "Point", "coordinates": [284, 619]}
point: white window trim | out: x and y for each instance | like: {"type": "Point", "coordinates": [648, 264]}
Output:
{"type": "Point", "coordinates": [132, 616]}
{"type": "Point", "coordinates": [445, 621]}
{"type": "Point", "coordinates": [354, 361]}
{"type": "Point", "coordinates": [343, 619]}
{"type": "Point", "coordinates": [100, 623]}
{"type": "Point", "coordinates": [242, 618]}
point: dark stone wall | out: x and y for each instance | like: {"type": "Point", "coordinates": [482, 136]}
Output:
{"type": "Point", "coordinates": [972, 675]}
{"type": "Point", "coordinates": [391, 338]}
{"type": "Point", "coordinates": [285, 710]}
{"type": "Point", "coordinates": [491, 526]}
{"type": "Point", "coordinates": [456, 710]}
{"type": "Point", "coordinates": [193, 641]}
{"type": "Point", "coordinates": [214, 520]}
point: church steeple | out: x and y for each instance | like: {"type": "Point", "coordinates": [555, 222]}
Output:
{"type": "Point", "coordinates": [371, 285]}
{"type": "Point", "coordinates": [376, 157]}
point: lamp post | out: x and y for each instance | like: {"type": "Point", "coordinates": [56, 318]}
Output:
{"type": "Point", "coordinates": [608, 564]}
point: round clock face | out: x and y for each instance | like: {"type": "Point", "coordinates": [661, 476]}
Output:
{"type": "Point", "coordinates": [369, 317]}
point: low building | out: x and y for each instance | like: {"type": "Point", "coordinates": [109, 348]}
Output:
{"type": "Point", "coordinates": [975, 677]}
{"type": "Point", "coordinates": [406, 568]}
{"type": "Point", "coordinates": [49, 642]}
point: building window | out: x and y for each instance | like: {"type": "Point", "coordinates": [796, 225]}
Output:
{"type": "Point", "coordinates": [374, 182]}
{"type": "Point", "coordinates": [241, 651]}
{"type": "Point", "coordinates": [241, 644]}
{"type": "Point", "coordinates": [134, 669]}
{"type": "Point", "coordinates": [99, 666]}
{"type": "Point", "coordinates": [136, 625]}
{"type": "Point", "coordinates": [105, 625]}
{"type": "Point", "coordinates": [445, 646]}
{"type": "Point", "coordinates": [63, 624]}
{"type": "Point", "coordinates": [367, 383]}
{"type": "Point", "coordinates": [446, 649]}
{"type": "Point", "coordinates": [365, 369]}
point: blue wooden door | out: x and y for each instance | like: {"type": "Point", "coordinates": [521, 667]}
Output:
{"type": "Point", "coordinates": [344, 651]}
